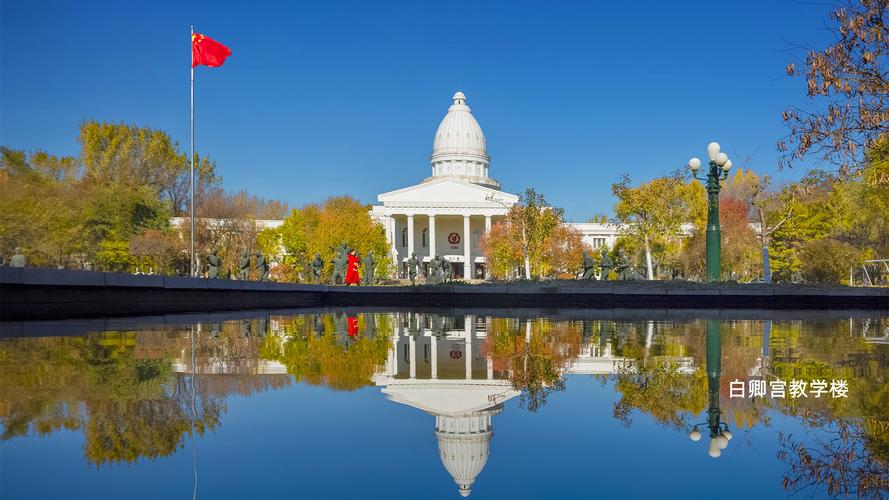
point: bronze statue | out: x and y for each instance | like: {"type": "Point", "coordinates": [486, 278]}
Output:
{"type": "Point", "coordinates": [213, 263]}
{"type": "Point", "coordinates": [412, 265]}
{"type": "Point", "coordinates": [606, 264]}
{"type": "Point", "coordinates": [262, 267]}
{"type": "Point", "coordinates": [624, 271]}
{"type": "Point", "coordinates": [369, 268]}
{"type": "Point", "coordinates": [433, 273]}
{"type": "Point", "coordinates": [18, 260]}
{"type": "Point", "coordinates": [316, 266]}
{"type": "Point", "coordinates": [340, 263]}
{"type": "Point", "coordinates": [447, 270]}
{"type": "Point", "coordinates": [244, 267]}
{"type": "Point", "coordinates": [588, 267]}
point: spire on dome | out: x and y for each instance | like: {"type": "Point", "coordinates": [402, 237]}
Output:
{"type": "Point", "coordinates": [459, 98]}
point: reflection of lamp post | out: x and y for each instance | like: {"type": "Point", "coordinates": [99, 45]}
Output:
{"type": "Point", "coordinates": [719, 167]}
{"type": "Point", "coordinates": [719, 433]}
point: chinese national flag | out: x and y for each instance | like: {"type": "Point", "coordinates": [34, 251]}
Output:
{"type": "Point", "coordinates": [206, 51]}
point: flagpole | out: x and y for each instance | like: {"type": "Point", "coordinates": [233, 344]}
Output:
{"type": "Point", "coordinates": [191, 163]}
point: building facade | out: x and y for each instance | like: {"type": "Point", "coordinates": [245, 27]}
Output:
{"type": "Point", "coordinates": [449, 211]}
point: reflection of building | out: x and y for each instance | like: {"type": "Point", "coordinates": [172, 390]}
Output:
{"type": "Point", "coordinates": [237, 354]}
{"type": "Point", "coordinates": [436, 365]}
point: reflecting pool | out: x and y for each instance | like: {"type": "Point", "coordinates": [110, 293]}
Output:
{"type": "Point", "coordinates": [379, 404]}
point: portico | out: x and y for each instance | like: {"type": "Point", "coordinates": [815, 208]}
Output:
{"type": "Point", "coordinates": [449, 221]}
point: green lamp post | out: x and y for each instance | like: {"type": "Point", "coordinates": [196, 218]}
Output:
{"type": "Point", "coordinates": [719, 433]}
{"type": "Point", "coordinates": [719, 167]}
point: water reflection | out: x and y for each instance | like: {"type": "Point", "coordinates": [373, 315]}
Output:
{"type": "Point", "coordinates": [720, 434]}
{"type": "Point", "coordinates": [142, 393]}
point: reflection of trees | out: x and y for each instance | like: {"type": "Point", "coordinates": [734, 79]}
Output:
{"type": "Point", "coordinates": [118, 388]}
{"type": "Point", "coordinates": [535, 353]}
{"type": "Point", "coordinates": [661, 390]}
{"type": "Point", "coordinates": [145, 428]}
{"type": "Point", "coordinates": [652, 380]}
{"type": "Point", "coordinates": [319, 351]}
{"type": "Point", "coordinates": [838, 461]}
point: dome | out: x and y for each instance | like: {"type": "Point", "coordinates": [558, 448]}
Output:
{"type": "Point", "coordinates": [459, 149]}
{"type": "Point", "coordinates": [464, 444]}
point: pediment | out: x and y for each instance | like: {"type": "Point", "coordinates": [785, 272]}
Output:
{"type": "Point", "coordinates": [451, 399]}
{"type": "Point", "coordinates": [446, 190]}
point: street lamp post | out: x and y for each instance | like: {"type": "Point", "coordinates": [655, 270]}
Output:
{"type": "Point", "coordinates": [719, 433]}
{"type": "Point", "coordinates": [719, 167]}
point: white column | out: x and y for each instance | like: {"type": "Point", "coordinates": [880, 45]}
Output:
{"type": "Point", "coordinates": [434, 355]}
{"type": "Point", "coordinates": [490, 368]}
{"type": "Point", "coordinates": [392, 227]}
{"type": "Point", "coordinates": [487, 223]}
{"type": "Point", "coordinates": [467, 246]}
{"type": "Point", "coordinates": [410, 236]}
{"type": "Point", "coordinates": [413, 354]}
{"type": "Point", "coordinates": [467, 330]}
{"type": "Point", "coordinates": [431, 236]}
{"type": "Point", "coordinates": [395, 336]}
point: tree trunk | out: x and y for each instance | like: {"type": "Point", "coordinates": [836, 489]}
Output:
{"type": "Point", "coordinates": [766, 267]}
{"type": "Point", "coordinates": [527, 266]}
{"type": "Point", "coordinates": [525, 251]}
{"type": "Point", "coordinates": [648, 259]}
{"type": "Point", "coordinates": [764, 242]}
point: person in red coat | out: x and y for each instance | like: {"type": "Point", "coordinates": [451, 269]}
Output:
{"type": "Point", "coordinates": [352, 276]}
{"type": "Point", "coordinates": [352, 321]}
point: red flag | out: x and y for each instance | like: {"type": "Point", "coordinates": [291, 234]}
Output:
{"type": "Point", "coordinates": [207, 51]}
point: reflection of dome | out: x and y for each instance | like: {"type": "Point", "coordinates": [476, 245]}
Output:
{"type": "Point", "coordinates": [463, 445]}
{"type": "Point", "coordinates": [459, 149]}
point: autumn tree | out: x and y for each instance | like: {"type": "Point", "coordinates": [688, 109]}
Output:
{"type": "Point", "coordinates": [533, 237]}
{"type": "Point", "coordinates": [847, 87]}
{"type": "Point", "coordinates": [654, 210]}
{"type": "Point", "coordinates": [738, 243]}
{"type": "Point", "coordinates": [321, 228]}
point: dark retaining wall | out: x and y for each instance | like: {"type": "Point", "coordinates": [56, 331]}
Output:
{"type": "Point", "coordinates": [45, 294]}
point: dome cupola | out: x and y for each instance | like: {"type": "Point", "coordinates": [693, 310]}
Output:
{"type": "Point", "coordinates": [464, 443]}
{"type": "Point", "coordinates": [459, 149]}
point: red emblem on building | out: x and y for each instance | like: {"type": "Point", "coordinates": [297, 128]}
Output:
{"type": "Point", "coordinates": [453, 238]}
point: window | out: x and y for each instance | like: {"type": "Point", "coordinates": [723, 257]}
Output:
{"type": "Point", "coordinates": [404, 237]}
{"type": "Point", "coordinates": [425, 233]}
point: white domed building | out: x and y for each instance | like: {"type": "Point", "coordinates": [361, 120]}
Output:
{"type": "Point", "coordinates": [449, 211]}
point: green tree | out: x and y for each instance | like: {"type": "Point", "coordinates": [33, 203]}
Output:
{"type": "Point", "coordinates": [652, 211]}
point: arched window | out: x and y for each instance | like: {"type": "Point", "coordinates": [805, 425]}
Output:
{"type": "Point", "coordinates": [425, 234]}
{"type": "Point", "coordinates": [404, 237]}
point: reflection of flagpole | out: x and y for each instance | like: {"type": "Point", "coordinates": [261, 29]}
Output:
{"type": "Point", "coordinates": [194, 418]}
{"type": "Point", "coordinates": [192, 267]}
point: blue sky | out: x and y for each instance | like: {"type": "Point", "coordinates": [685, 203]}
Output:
{"type": "Point", "coordinates": [323, 98]}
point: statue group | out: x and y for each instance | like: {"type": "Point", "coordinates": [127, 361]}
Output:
{"type": "Point", "coordinates": [624, 271]}
{"type": "Point", "coordinates": [214, 264]}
